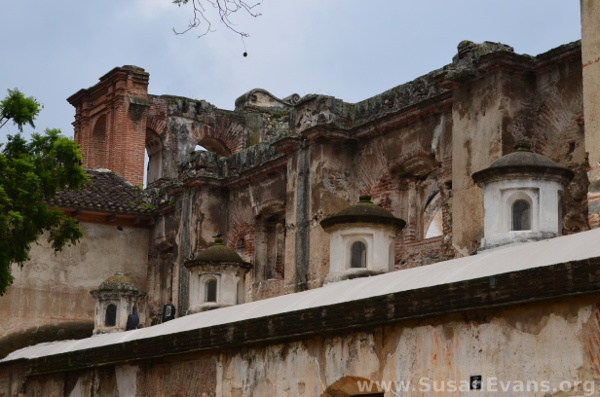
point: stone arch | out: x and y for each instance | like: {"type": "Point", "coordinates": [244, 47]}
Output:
{"type": "Point", "coordinates": [349, 386]}
{"type": "Point", "coordinates": [154, 150]}
{"type": "Point", "coordinates": [215, 145]}
{"type": "Point", "coordinates": [156, 124]}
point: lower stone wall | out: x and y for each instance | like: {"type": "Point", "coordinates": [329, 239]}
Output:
{"type": "Point", "coordinates": [550, 345]}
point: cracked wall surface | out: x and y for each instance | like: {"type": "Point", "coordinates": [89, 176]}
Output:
{"type": "Point", "coordinates": [553, 341]}
{"type": "Point", "coordinates": [274, 168]}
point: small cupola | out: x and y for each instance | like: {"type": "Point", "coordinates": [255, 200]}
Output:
{"type": "Point", "coordinates": [361, 240]}
{"type": "Point", "coordinates": [217, 278]}
{"type": "Point", "coordinates": [522, 198]}
{"type": "Point", "coordinates": [117, 300]}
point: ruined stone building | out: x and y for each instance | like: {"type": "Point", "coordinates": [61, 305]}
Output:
{"type": "Point", "coordinates": [441, 231]}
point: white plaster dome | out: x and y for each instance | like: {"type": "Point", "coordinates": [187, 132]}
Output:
{"type": "Point", "coordinates": [522, 198]}
{"type": "Point", "coordinates": [361, 240]}
{"type": "Point", "coordinates": [216, 278]}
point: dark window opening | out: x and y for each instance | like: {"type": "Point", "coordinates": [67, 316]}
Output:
{"type": "Point", "coordinates": [270, 247]}
{"type": "Point", "coordinates": [110, 319]}
{"type": "Point", "coordinates": [521, 215]}
{"type": "Point", "coordinates": [358, 255]}
{"type": "Point", "coordinates": [240, 246]}
{"type": "Point", "coordinates": [98, 156]}
{"type": "Point", "coordinates": [368, 395]}
{"type": "Point", "coordinates": [154, 147]}
{"type": "Point", "coordinates": [211, 290]}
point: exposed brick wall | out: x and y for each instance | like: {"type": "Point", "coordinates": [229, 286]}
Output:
{"type": "Point", "coordinates": [422, 252]}
{"type": "Point", "coordinates": [242, 240]}
{"type": "Point", "coordinates": [111, 120]}
{"type": "Point", "coordinates": [383, 191]}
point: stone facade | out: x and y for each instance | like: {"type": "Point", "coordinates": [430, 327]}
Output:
{"type": "Point", "coordinates": [274, 168]}
{"type": "Point", "coordinates": [590, 40]}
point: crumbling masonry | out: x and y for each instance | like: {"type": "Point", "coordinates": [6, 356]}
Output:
{"type": "Point", "coordinates": [273, 168]}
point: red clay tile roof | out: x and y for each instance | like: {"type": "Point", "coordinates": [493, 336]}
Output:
{"type": "Point", "coordinates": [105, 192]}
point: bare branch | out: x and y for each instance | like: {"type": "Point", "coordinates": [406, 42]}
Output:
{"type": "Point", "coordinates": [224, 9]}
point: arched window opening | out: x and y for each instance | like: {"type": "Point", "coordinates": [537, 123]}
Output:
{"type": "Point", "coordinates": [199, 148]}
{"type": "Point", "coordinates": [154, 148]}
{"type": "Point", "coordinates": [214, 145]}
{"type": "Point", "coordinates": [110, 318]}
{"type": "Point", "coordinates": [211, 290]}
{"type": "Point", "coordinates": [358, 255]}
{"type": "Point", "coordinates": [98, 155]}
{"type": "Point", "coordinates": [240, 246]}
{"type": "Point", "coordinates": [432, 218]}
{"type": "Point", "coordinates": [436, 225]}
{"type": "Point", "coordinates": [521, 215]}
{"type": "Point", "coordinates": [270, 246]}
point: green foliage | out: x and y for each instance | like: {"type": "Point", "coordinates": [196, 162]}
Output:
{"type": "Point", "coordinates": [31, 172]}
{"type": "Point", "coordinates": [19, 109]}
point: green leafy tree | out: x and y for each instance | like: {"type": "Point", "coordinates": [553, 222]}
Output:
{"type": "Point", "coordinates": [31, 172]}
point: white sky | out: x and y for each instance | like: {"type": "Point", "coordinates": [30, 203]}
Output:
{"type": "Point", "coordinates": [346, 48]}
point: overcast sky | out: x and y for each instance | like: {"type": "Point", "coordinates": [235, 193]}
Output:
{"type": "Point", "coordinates": [349, 49]}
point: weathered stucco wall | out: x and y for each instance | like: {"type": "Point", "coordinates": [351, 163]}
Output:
{"type": "Point", "coordinates": [590, 53]}
{"type": "Point", "coordinates": [53, 289]}
{"type": "Point", "coordinates": [537, 100]}
{"type": "Point", "coordinates": [275, 168]}
{"type": "Point", "coordinates": [551, 344]}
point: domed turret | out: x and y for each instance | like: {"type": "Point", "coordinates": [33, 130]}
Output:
{"type": "Point", "coordinates": [217, 278]}
{"type": "Point", "coordinates": [522, 194]}
{"type": "Point", "coordinates": [361, 240]}
{"type": "Point", "coordinates": [116, 299]}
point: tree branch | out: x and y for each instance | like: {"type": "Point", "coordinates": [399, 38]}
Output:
{"type": "Point", "coordinates": [224, 9]}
